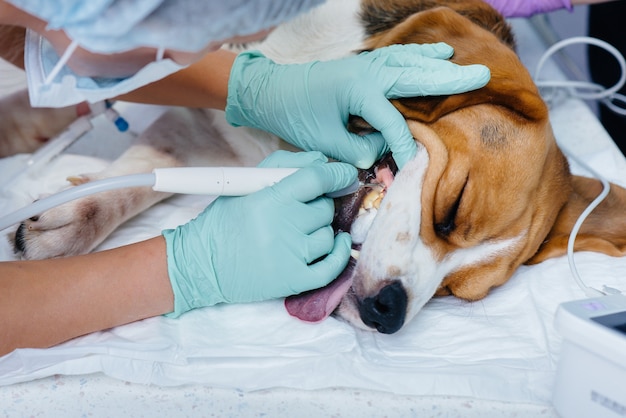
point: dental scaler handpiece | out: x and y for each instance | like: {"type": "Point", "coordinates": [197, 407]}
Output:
{"type": "Point", "coordinates": [225, 181]}
{"type": "Point", "coordinates": [210, 181]}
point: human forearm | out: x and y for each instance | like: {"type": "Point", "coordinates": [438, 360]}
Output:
{"type": "Point", "coordinates": [202, 84]}
{"type": "Point", "coordinates": [43, 303]}
{"type": "Point", "coordinates": [12, 44]}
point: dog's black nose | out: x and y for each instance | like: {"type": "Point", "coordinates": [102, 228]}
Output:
{"type": "Point", "coordinates": [387, 310]}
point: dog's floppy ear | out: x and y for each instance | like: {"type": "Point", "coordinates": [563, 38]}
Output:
{"type": "Point", "coordinates": [603, 231]}
{"type": "Point", "coordinates": [510, 85]}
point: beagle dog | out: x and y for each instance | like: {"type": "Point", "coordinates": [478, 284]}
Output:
{"type": "Point", "coordinates": [488, 191]}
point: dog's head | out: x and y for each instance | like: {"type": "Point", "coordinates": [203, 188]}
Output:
{"type": "Point", "coordinates": [488, 191]}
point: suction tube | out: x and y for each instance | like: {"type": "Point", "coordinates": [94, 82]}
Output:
{"type": "Point", "coordinates": [73, 193]}
{"type": "Point", "coordinates": [211, 181]}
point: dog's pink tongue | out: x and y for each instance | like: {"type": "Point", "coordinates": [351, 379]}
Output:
{"type": "Point", "coordinates": [316, 305]}
{"type": "Point", "coordinates": [384, 176]}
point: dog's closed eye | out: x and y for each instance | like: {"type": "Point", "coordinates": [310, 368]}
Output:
{"type": "Point", "coordinates": [447, 225]}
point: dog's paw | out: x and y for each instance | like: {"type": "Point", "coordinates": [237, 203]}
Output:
{"type": "Point", "coordinates": [73, 228]}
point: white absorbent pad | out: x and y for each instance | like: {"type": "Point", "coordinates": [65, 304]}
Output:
{"type": "Point", "coordinates": [502, 348]}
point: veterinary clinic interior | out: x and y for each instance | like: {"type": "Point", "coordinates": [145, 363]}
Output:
{"type": "Point", "coordinates": [312, 208]}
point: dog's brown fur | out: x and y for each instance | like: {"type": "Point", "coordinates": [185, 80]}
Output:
{"type": "Point", "coordinates": [514, 91]}
{"type": "Point", "coordinates": [479, 35]}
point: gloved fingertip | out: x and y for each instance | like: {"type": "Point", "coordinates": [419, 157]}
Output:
{"type": "Point", "coordinates": [366, 154]}
{"type": "Point", "coordinates": [400, 159]}
{"type": "Point", "coordinates": [434, 50]}
{"type": "Point", "coordinates": [344, 174]}
{"type": "Point", "coordinates": [364, 163]}
{"type": "Point", "coordinates": [480, 73]}
{"type": "Point", "coordinates": [344, 239]}
{"type": "Point", "coordinates": [371, 146]}
{"type": "Point", "coordinates": [335, 262]}
{"type": "Point", "coordinates": [443, 49]}
{"type": "Point", "coordinates": [282, 158]}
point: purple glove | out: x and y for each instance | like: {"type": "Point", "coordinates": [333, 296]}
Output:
{"type": "Point", "coordinates": [527, 8]}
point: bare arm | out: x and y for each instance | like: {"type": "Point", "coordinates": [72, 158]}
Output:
{"type": "Point", "coordinates": [43, 303]}
{"type": "Point", "coordinates": [202, 84]}
{"type": "Point", "coordinates": [12, 44]}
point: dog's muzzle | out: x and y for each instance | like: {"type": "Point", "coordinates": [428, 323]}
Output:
{"type": "Point", "coordinates": [384, 311]}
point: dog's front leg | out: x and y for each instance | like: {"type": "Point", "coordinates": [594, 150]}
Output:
{"type": "Point", "coordinates": [77, 227]}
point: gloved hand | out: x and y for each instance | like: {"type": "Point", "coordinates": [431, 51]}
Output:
{"type": "Point", "coordinates": [263, 245]}
{"type": "Point", "coordinates": [308, 105]}
{"type": "Point", "coordinates": [527, 8]}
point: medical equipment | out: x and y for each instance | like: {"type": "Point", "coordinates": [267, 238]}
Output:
{"type": "Point", "coordinates": [576, 88]}
{"type": "Point", "coordinates": [69, 136]}
{"type": "Point", "coordinates": [586, 91]}
{"type": "Point", "coordinates": [582, 89]}
{"type": "Point", "coordinates": [215, 181]}
{"type": "Point", "coordinates": [592, 367]}
{"type": "Point", "coordinates": [594, 92]}
{"type": "Point", "coordinates": [51, 83]}
{"type": "Point", "coordinates": [592, 362]}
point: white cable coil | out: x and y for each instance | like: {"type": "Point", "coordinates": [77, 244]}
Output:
{"type": "Point", "coordinates": [586, 91]}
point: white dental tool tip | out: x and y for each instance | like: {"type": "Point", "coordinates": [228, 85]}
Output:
{"type": "Point", "coordinates": [353, 188]}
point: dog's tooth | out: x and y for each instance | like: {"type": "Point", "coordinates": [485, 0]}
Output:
{"type": "Point", "coordinates": [354, 253]}
{"type": "Point", "coordinates": [379, 199]}
{"type": "Point", "coordinates": [370, 198]}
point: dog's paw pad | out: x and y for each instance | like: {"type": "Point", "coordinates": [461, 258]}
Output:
{"type": "Point", "coordinates": [79, 179]}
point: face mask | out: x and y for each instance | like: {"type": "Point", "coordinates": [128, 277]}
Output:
{"type": "Point", "coordinates": [52, 84]}
{"type": "Point", "coordinates": [108, 26]}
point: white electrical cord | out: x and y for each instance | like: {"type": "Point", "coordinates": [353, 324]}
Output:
{"type": "Point", "coordinates": [607, 96]}
{"type": "Point", "coordinates": [583, 89]}
{"type": "Point", "coordinates": [606, 188]}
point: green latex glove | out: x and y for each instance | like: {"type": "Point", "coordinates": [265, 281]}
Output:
{"type": "Point", "coordinates": [263, 245]}
{"type": "Point", "coordinates": [308, 105]}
